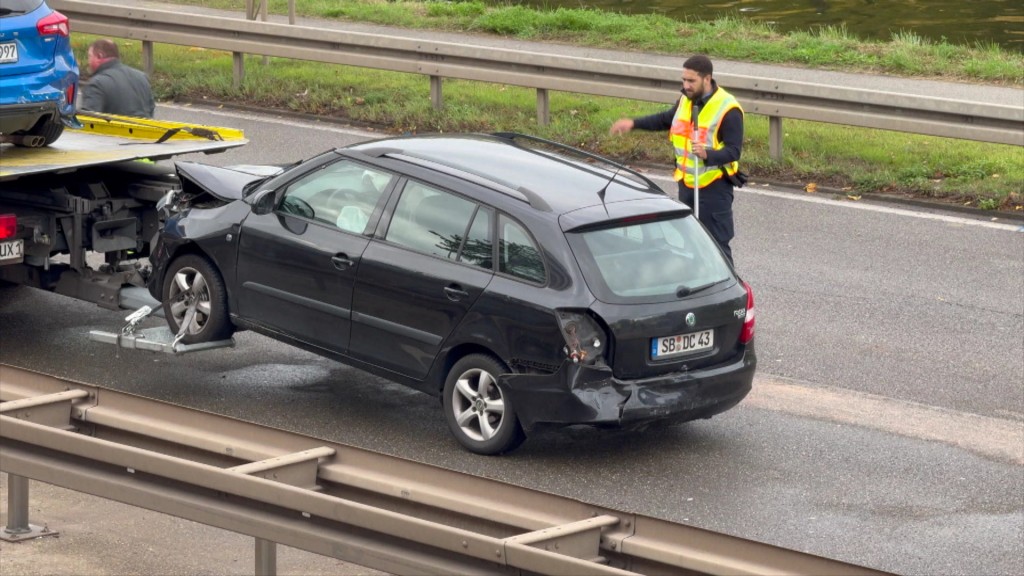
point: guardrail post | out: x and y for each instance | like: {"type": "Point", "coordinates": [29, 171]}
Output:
{"type": "Point", "coordinates": [291, 11]}
{"type": "Point", "coordinates": [266, 557]}
{"type": "Point", "coordinates": [436, 98]}
{"type": "Point", "coordinates": [147, 57]}
{"type": "Point", "coordinates": [543, 107]}
{"type": "Point", "coordinates": [775, 137]}
{"type": "Point", "coordinates": [18, 529]}
{"type": "Point", "coordinates": [238, 69]}
{"type": "Point", "coordinates": [251, 11]}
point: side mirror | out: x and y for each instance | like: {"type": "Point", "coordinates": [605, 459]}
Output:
{"type": "Point", "coordinates": [262, 202]}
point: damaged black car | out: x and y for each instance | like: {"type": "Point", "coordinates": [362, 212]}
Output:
{"type": "Point", "coordinates": [526, 283]}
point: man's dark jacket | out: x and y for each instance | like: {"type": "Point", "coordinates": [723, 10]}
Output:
{"type": "Point", "coordinates": [118, 89]}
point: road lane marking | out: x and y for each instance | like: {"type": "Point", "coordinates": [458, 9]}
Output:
{"type": "Point", "coordinates": [994, 438]}
{"type": "Point", "coordinates": [959, 220]}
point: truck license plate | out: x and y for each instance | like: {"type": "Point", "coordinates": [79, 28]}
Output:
{"type": "Point", "coordinates": [12, 251]}
{"type": "Point", "coordinates": [682, 344]}
{"type": "Point", "coordinates": [8, 52]}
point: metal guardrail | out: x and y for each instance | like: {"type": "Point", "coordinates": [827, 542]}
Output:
{"type": "Point", "coordinates": [362, 507]}
{"type": "Point", "coordinates": [776, 99]}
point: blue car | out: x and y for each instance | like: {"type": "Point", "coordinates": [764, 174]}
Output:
{"type": "Point", "coordinates": [38, 73]}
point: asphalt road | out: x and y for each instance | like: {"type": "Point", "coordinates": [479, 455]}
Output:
{"type": "Point", "coordinates": [886, 427]}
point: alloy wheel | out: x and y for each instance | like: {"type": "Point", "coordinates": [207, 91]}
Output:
{"type": "Point", "coordinates": [478, 404]}
{"type": "Point", "coordinates": [189, 298]}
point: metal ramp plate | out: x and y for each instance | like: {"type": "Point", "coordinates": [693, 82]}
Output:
{"type": "Point", "coordinates": [159, 339]}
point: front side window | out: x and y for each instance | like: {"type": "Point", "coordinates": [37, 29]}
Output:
{"type": "Point", "coordinates": [342, 194]}
{"type": "Point", "coordinates": [653, 261]}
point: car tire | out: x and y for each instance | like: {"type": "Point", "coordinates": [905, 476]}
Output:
{"type": "Point", "coordinates": [49, 129]}
{"type": "Point", "coordinates": [192, 281]}
{"type": "Point", "coordinates": [478, 412]}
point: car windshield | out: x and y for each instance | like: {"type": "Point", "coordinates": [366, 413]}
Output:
{"type": "Point", "coordinates": [650, 261]}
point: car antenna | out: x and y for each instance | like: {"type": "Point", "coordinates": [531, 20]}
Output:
{"type": "Point", "coordinates": [601, 192]}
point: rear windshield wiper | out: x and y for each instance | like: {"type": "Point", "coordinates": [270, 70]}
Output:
{"type": "Point", "coordinates": [9, 11]}
{"type": "Point", "coordinates": [684, 291]}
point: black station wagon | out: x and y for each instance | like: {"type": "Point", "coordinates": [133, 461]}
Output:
{"type": "Point", "coordinates": [526, 283]}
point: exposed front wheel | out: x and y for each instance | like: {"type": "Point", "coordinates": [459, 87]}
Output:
{"type": "Point", "coordinates": [194, 295]}
{"type": "Point", "coordinates": [477, 410]}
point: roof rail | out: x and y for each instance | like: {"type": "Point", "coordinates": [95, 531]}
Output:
{"type": "Point", "coordinates": [514, 136]}
{"type": "Point", "coordinates": [517, 192]}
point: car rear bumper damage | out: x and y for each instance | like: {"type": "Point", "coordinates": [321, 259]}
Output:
{"type": "Point", "coordinates": [592, 395]}
{"type": "Point", "coordinates": [21, 117]}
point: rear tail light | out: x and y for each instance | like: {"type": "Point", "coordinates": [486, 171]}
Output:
{"type": "Point", "coordinates": [8, 226]}
{"type": "Point", "coordinates": [584, 338]}
{"type": "Point", "coordinates": [747, 334]}
{"type": "Point", "coordinates": [69, 94]}
{"type": "Point", "coordinates": [55, 23]}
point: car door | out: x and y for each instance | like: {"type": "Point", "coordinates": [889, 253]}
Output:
{"type": "Point", "coordinates": [416, 285]}
{"type": "Point", "coordinates": [297, 264]}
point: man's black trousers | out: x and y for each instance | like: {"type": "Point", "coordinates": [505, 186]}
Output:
{"type": "Point", "coordinates": [715, 210]}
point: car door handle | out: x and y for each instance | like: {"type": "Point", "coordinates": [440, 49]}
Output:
{"type": "Point", "coordinates": [342, 261]}
{"type": "Point", "coordinates": [455, 293]}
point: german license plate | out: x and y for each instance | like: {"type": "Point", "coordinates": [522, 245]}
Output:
{"type": "Point", "coordinates": [682, 344]}
{"type": "Point", "coordinates": [8, 52]}
{"type": "Point", "coordinates": [12, 250]}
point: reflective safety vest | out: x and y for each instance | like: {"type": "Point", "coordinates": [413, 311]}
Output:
{"type": "Point", "coordinates": [708, 120]}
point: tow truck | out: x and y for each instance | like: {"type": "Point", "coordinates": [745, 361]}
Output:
{"type": "Point", "coordinates": [78, 217]}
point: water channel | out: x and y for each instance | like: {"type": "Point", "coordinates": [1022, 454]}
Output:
{"type": "Point", "coordinates": [969, 22]}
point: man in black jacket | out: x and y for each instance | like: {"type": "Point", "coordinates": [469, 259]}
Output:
{"type": "Point", "coordinates": [706, 130]}
{"type": "Point", "coordinates": [115, 88]}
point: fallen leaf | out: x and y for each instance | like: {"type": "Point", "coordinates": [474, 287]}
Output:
{"type": "Point", "coordinates": [811, 188]}
{"type": "Point", "coordinates": [853, 196]}
{"type": "Point", "coordinates": [995, 175]}
{"type": "Point", "coordinates": [359, 101]}
{"type": "Point", "coordinates": [847, 188]}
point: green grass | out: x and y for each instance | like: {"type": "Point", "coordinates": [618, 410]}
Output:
{"type": "Point", "coordinates": [851, 159]}
{"type": "Point", "coordinates": [730, 36]}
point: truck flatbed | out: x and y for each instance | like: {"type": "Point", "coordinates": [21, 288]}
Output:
{"type": "Point", "coordinates": [106, 139]}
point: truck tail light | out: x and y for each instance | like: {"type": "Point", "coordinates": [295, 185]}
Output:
{"type": "Point", "coordinates": [54, 23]}
{"type": "Point", "coordinates": [8, 226]}
{"type": "Point", "coordinates": [747, 334]}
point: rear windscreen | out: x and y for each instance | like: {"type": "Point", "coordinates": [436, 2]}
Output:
{"type": "Point", "coordinates": [18, 7]}
{"type": "Point", "coordinates": [650, 261]}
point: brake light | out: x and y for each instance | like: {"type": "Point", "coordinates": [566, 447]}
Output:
{"type": "Point", "coordinates": [54, 23]}
{"type": "Point", "coordinates": [747, 334]}
{"type": "Point", "coordinates": [8, 226]}
{"type": "Point", "coordinates": [69, 94]}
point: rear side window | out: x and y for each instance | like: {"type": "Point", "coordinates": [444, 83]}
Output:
{"type": "Point", "coordinates": [650, 261]}
{"type": "Point", "coordinates": [519, 255]}
{"type": "Point", "coordinates": [436, 222]}
{"type": "Point", "coordinates": [479, 247]}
